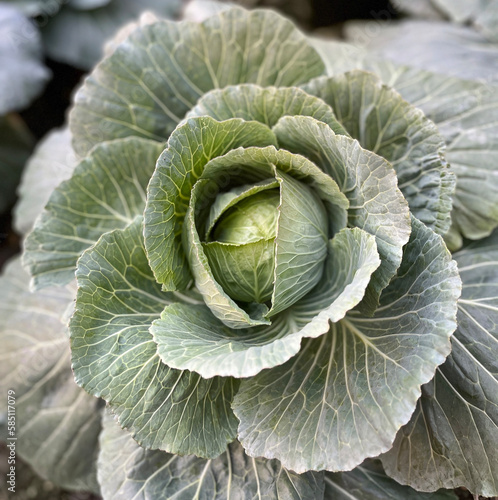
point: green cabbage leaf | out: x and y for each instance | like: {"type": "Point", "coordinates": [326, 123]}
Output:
{"type": "Point", "coordinates": [258, 225]}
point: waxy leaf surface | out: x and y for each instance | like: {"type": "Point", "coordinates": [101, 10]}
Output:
{"type": "Point", "coordinates": [190, 337]}
{"type": "Point", "coordinates": [384, 123]}
{"type": "Point", "coordinates": [346, 394]}
{"type": "Point", "coordinates": [126, 470]}
{"type": "Point", "coordinates": [115, 357]}
{"type": "Point", "coordinates": [57, 424]}
{"type": "Point", "coordinates": [451, 439]}
{"type": "Point", "coordinates": [105, 192]}
{"type": "Point", "coordinates": [158, 74]}
{"type": "Point", "coordinates": [376, 204]}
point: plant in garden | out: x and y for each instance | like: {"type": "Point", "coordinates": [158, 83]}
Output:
{"type": "Point", "coordinates": [258, 245]}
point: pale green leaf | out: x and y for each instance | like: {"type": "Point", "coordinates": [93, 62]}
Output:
{"type": "Point", "coordinates": [369, 482]}
{"type": "Point", "coordinates": [115, 357]}
{"type": "Point", "coordinates": [220, 303]}
{"type": "Point", "coordinates": [22, 73]}
{"type": "Point", "coordinates": [239, 167]}
{"type": "Point", "coordinates": [190, 337]}
{"type": "Point", "coordinates": [241, 248]}
{"type": "Point", "coordinates": [227, 200]}
{"type": "Point", "coordinates": [52, 162]}
{"type": "Point", "coordinates": [440, 47]}
{"type": "Point", "coordinates": [106, 191]}
{"type": "Point", "coordinates": [245, 272]}
{"type": "Point", "coordinates": [465, 113]}
{"type": "Point", "coordinates": [453, 239]}
{"type": "Point", "coordinates": [451, 439]}
{"type": "Point", "coordinates": [384, 123]}
{"type": "Point", "coordinates": [369, 182]}
{"type": "Point", "coordinates": [57, 423]}
{"type": "Point", "coordinates": [153, 78]}
{"type": "Point", "coordinates": [128, 471]}
{"type": "Point", "coordinates": [346, 394]}
{"type": "Point", "coordinates": [471, 133]}
{"type": "Point", "coordinates": [189, 149]}
{"type": "Point", "coordinates": [300, 244]}
{"type": "Point", "coordinates": [264, 105]}
{"type": "Point", "coordinates": [339, 57]}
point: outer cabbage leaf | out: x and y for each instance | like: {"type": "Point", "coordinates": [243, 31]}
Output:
{"type": "Point", "coordinates": [128, 471]}
{"type": "Point", "coordinates": [115, 357]}
{"type": "Point", "coordinates": [22, 74]}
{"type": "Point", "coordinates": [339, 57]}
{"type": "Point", "coordinates": [385, 124]}
{"type": "Point", "coordinates": [376, 204]}
{"type": "Point", "coordinates": [148, 84]}
{"type": "Point", "coordinates": [190, 337]}
{"type": "Point", "coordinates": [57, 423]}
{"type": "Point", "coordinates": [106, 191]}
{"type": "Point", "coordinates": [451, 438]}
{"type": "Point", "coordinates": [369, 482]}
{"type": "Point", "coordinates": [469, 130]}
{"type": "Point", "coordinates": [483, 14]}
{"type": "Point", "coordinates": [346, 394]}
{"type": "Point", "coordinates": [52, 162]}
{"type": "Point", "coordinates": [486, 20]}
{"type": "Point", "coordinates": [434, 46]}
{"type": "Point", "coordinates": [471, 134]}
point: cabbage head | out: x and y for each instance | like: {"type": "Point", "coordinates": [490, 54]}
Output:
{"type": "Point", "coordinates": [263, 283]}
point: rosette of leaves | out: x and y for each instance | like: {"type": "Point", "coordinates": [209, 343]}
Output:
{"type": "Point", "coordinates": [260, 263]}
